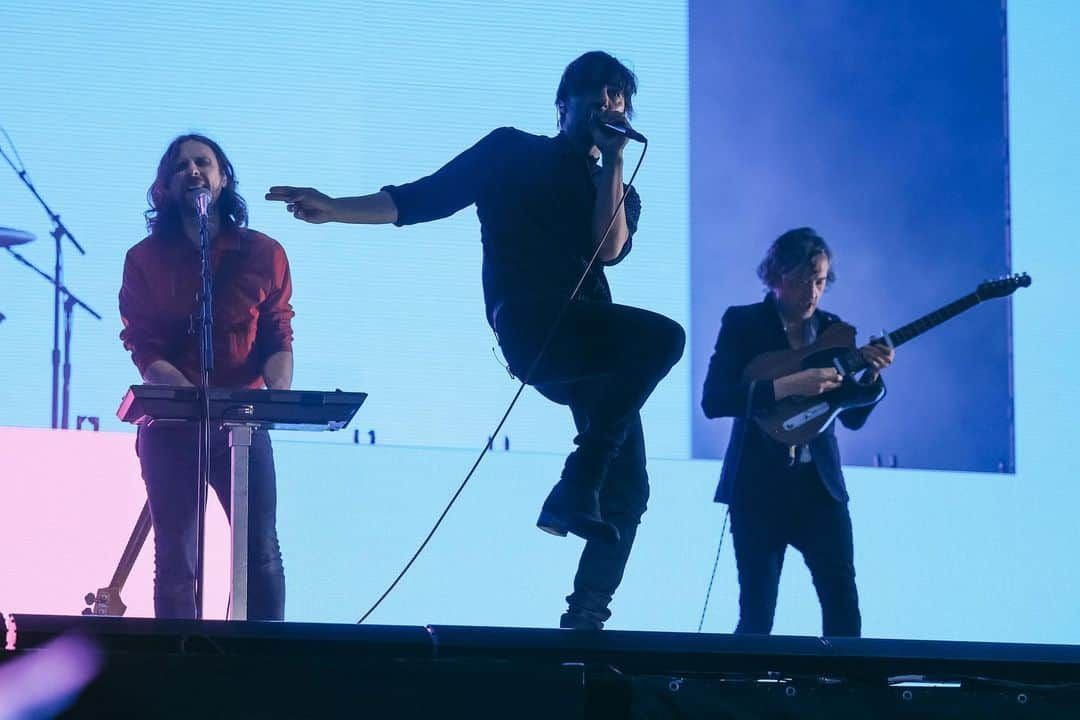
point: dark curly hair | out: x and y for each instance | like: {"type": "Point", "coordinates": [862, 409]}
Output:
{"type": "Point", "coordinates": [793, 250]}
{"type": "Point", "coordinates": [595, 70]}
{"type": "Point", "coordinates": [165, 215]}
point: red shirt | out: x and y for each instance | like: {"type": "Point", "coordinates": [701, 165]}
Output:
{"type": "Point", "coordinates": [252, 315]}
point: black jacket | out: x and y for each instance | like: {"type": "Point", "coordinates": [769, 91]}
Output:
{"type": "Point", "coordinates": [534, 197]}
{"type": "Point", "coordinates": [755, 464]}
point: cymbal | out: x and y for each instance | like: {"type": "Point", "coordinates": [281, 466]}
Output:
{"type": "Point", "coordinates": [11, 236]}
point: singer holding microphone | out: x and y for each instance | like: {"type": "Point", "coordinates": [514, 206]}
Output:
{"type": "Point", "coordinates": [252, 338]}
{"type": "Point", "coordinates": [545, 205]}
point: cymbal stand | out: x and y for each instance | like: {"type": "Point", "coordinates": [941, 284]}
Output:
{"type": "Point", "coordinates": [59, 232]}
{"type": "Point", "coordinates": [70, 302]}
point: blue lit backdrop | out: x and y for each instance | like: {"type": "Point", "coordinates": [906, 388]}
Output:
{"type": "Point", "coordinates": [347, 99]}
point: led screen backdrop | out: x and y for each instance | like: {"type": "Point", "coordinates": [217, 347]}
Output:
{"type": "Point", "coordinates": [92, 94]}
{"type": "Point", "coordinates": [882, 126]}
{"type": "Point", "coordinates": [346, 97]}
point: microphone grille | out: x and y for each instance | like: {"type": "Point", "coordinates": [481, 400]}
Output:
{"type": "Point", "coordinates": [201, 197]}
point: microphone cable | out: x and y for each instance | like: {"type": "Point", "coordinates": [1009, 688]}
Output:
{"type": "Point", "coordinates": [521, 388]}
{"type": "Point", "coordinates": [712, 578]}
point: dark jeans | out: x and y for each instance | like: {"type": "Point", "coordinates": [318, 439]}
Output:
{"type": "Point", "coordinates": [810, 520]}
{"type": "Point", "coordinates": [604, 362]}
{"type": "Point", "coordinates": [168, 453]}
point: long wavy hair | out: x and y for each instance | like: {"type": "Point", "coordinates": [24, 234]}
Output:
{"type": "Point", "coordinates": [165, 215]}
{"type": "Point", "coordinates": [791, 251]}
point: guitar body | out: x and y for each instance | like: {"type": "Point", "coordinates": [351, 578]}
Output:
{"type": "Point", "coordinates": [797, 420]}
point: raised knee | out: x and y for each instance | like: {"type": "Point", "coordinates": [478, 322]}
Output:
{"type": "Point", "coordinates": [672, 344]}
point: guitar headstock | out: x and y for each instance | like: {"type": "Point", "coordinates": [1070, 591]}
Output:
{"type": "Point", "coordinates": [1002, 286]}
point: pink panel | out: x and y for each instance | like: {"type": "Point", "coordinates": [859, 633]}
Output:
{"type": "Point", "coordinates": [68, 502]}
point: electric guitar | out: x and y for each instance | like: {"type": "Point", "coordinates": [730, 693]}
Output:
{"type": "Point", "coordinates": [106, 601]}
{"type": "Point", "coordinates": [797, 420]}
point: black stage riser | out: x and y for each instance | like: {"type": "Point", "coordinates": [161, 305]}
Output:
{"type": "Point", "coordinates": [180, 668]}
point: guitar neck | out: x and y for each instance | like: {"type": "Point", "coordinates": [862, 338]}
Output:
{"type": "Point", "coordinates": [1002, 287]}
{"type": "Point", "coordinates": [931, 320]}
{"type": "Point", "coordinates": [134, 546]}
{"type": "Point", "coordinates": [856, 362]}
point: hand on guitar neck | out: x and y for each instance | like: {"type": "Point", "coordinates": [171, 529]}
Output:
{"type": "Point", "coordinates": [878, 356]}
{"type": "Point", "coordinates": [816, 381]}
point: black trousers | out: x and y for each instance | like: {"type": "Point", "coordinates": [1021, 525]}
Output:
{"type": "Point", "coordinates": [603, 363]}
{"type": "Point", "coordinates": [800, 513]}
{"type": "Point", "coordinates": [168, 454]}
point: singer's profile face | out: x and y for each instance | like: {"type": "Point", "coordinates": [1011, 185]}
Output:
{"type": "Point", "coordinates": [580, 109]}
{"type": "Point", "coordinates": [195, 166]}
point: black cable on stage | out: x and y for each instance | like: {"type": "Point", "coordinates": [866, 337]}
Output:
{"type": "Point", "coordinates": [716, 562]}
{"type": "Point", "coordinates": [521, 388]}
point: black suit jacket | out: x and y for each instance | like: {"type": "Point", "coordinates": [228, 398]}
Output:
{"type": "Point", "coordinates": [755, 464]}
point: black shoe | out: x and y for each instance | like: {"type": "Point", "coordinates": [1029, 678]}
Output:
{"type": "Point", "coordinates": [575, 509]}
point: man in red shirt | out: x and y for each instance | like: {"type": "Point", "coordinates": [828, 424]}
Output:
{"type": "Point", "coordinates": [252, 335]}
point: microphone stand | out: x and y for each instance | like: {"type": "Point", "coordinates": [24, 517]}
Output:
{"type": "Point", "coordinates": [206, 365]}
{"type": "Point", "coordinates": [59, 232]}
{"type": "Point", "coordinates": [70, 301]}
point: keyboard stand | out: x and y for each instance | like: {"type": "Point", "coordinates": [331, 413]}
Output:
{"type": "Point", "coordinates": [241, 413]}
{"type": "Point", "coordinates": [240, 435]}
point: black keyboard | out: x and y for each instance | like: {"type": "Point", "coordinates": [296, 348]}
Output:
{"type": "Point", "coordinates": [280, 409]}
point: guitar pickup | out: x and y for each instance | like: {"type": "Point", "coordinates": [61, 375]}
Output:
{"type": "Point", "coordinates": [806, 416]}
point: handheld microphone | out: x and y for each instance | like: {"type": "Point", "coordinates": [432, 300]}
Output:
{"type": "Point", "coordinates": [201, 198]}
{"type": "Point", "coordinates": [620, 129]}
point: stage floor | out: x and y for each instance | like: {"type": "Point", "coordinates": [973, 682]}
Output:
{"type": "Point", "coordinates": [158, 668]}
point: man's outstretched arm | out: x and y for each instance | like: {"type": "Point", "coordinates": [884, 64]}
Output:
{"type": "Point", "coordinates": [312, 206]}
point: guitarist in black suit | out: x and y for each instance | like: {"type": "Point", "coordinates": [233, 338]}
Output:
{"type": "Point", "coordinates": [782, 495]}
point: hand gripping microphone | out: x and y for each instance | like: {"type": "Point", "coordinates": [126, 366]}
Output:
{"type": "Point", "coordinates": [620, 129]}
